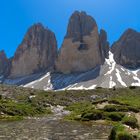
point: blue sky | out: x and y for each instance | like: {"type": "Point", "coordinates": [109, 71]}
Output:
{"type": "Point", "coordinates": [17, 16]}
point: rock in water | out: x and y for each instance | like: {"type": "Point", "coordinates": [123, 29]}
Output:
{"type": "Point", "coordinates": [36, 53]}
{"type": "Point", "coordinates": [127, 49]}
{"type": "Point", "coordinates": [80, 50]}
{"type": "Point", "coordinates": [4, 64]}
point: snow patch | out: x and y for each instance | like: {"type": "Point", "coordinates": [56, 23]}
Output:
{"type": "Point", "coordinates": [135, 84]}
{"type": "Point", "coordinates": [128, 73]}
{"type": "Point", "coordinates": [111, 62]}
{"type": "Point", "coordinates": [47, 75]}
{"type": "Point", "coordinates": [75, 87]}
{"type": "Point", "coordinates": [111, 83]}
{"type": "Point", "coordinates": [49, 86]}
{"type": "Point", "coordinates": [137, 79]}
{"type": "Point", "coordinates": [122, 69]}
{"type": "Point", "coordinates": [46, 88]}
{"type": "Point", "coordinates": [30, 84]}
{"type": "Point", "coordinates": [36, 81]}
{"type": "Point", "coordinates": [92, 87]}
{"type": "Point", "coordinates": [135, 72]}
{"type": "Point", "coordinates": [120, 78]}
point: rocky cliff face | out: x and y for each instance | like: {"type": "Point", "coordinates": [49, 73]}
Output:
{"type": "Point", "coordinates": [4, 64]}
{"type": "Point", "coordinates": [36, 53]}
{"type": "Point", "coordinates": [80, 50]}
{"type": "Point", "coordinates": [104, 45]}
{"type": "Point", "coordinates": [127, 49]}
{"type": "Point", "coordinates": [83, 49]}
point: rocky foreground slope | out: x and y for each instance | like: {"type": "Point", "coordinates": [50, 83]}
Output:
{"type": "Point", "coordinates": [85, 60]}
{"type": "Point", "coordinates": [96, 113]}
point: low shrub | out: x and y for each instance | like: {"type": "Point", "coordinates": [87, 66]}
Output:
{"type": "Point", "coordinates": [114, 116]}
{"type": "Point", "coordinates": [120, 108]}
{"type": "Point", "coordinates": [118, 133]}
{"type": "Point", "coordinates": [12, 108]}
{"type": "Point", "coordinates": [117, 128]}
{"type": "Point", "coordinates": [110, 108]}
{"type": "Point", "coordinates": [133, 109]}
{"type": "Point", "coordinates": [113, 134]}
{"type": "Point", "coordinates": [80, 107]}
{"type": "Point", "coordinates": [130, 121]}
{"type": "Point", "coordinates": [73, 116]}
{"type": "Point", "coordinates": [94, 115]}
{"type": "Point", "coordinates": [114, 102]}
{"type": "Point", "coordinates": [124, 136]}
{"type": "Point", "coordinates": [99, 101]}
{"type": "Point", "coordinates": [99, 88]}
{"type": "Point", "coordinates": [114, 108]}
{"type": "Point", "coordinates": [0, 97]}
{"type": "Point", "coordinates": [132, 87]}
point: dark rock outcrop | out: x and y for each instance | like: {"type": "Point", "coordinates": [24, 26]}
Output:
{"type": "Point", "coordinates": [104, 45]}
{"type": "Point", "coordinates": [80, 50]}
{"type": "Point", "coordinates": [80, 25]}
{"type": "Point", "coordinates": [36, 53]}
{"type": "Point", "coordinates": [4, 64]}
{"type": "Point", "coordinates": [127, 49]}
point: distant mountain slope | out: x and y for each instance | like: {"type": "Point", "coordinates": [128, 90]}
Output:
{"type": "Point", "coordinates": [83, 48]}
{"type": "Point", "coordinates": [84, 61]}
{"type": "Point", "coordinates": [127, 49]}
{"type": "Point", "coordinates": [36, 53]}
{"type": "Point", "coordinates": [108, 75]}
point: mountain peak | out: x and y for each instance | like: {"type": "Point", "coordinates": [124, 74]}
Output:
{"type": "Point", "coordinates": [126, 49]}
{"type": "Point", "coordinates": [38, 26]}
{"type": "Point", "coordinates": [36, 53]}
{"type": "Point", "coordinates": [80, 24]}
{"type": "Point", "coordinates": [80, 50]}
{"type": "Point", "coordinates": [4, 63]}
{"type": "Point", "coordinates": [130, 30]}
{"type": "Point", "coordinates": [2, 53]}
{"type": "Point", "coordinates": [79, 13]}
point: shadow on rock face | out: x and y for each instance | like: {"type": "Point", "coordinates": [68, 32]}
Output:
{"type": "Point", "coordinates": [83, 47]}
{"type": "Point", "coordinates": [60, 81]}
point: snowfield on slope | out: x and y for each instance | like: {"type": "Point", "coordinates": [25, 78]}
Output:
{"type": "Point", "coordinates": [108, 75]}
